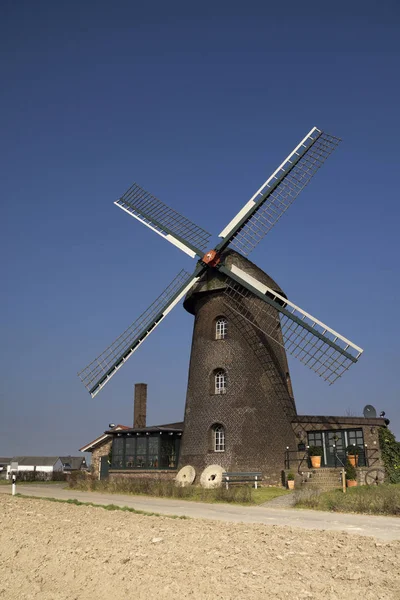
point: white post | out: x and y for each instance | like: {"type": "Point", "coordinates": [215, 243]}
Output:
{"type": "Point", "coordinates": [227, 482]}
{"type": "Point", "coordinates": [13, 479]}
{"type": "Point", "coordinates": [255, 485]}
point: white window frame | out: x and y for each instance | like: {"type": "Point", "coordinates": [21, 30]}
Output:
{"type": "Point", "coordinates": [221, 328]}
{"type": "Point", "coordinates": [220, 382]}
{"type": "Point", "coordinates": [219, 438]}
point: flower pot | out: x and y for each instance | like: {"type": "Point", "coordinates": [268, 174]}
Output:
{"type": "Point", "coordinates": [290, 484]}
{"type": "Point", "coordinates": [353, 459]}
{"type": "Point", "coordinates": [315, 462]}
{"type": "Point", "coordinates": [351, 483]}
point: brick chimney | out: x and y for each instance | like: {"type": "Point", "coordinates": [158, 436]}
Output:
{"type": "Point", "coordinates": [139, 405]}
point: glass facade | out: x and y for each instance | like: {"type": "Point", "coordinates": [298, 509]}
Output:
{"type": "Point", "coordinates": [145, 451]}
{"type": "Point", "coordinates": [168, 453]}
{"type": "Point", "coordinates": [334, 444]}
{"type": "Point", "coordinates": [118, 452]}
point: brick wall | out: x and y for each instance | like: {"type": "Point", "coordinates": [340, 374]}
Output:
{"type": "Point", "coordinates": [102, 450]}
{"type": "Point", "coordinates": [140, 405]}
{"type": "Point", "coordinates": [150, 474]}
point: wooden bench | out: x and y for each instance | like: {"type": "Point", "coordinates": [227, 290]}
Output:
{"type": "Point", "coordinates": [230, 478]}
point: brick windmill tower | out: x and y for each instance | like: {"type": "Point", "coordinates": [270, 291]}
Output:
{"type": "Point", "coordinates": [240, 400]}
{"type": "Point", "coordinates": [239, 388]}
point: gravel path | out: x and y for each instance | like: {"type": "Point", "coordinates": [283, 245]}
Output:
{"type": "Point", "coordinates": [57, 551]}
{"type": "Point", "coordinates": [286, 501]}
{"type": "Point", "coordinates": [382, 528]}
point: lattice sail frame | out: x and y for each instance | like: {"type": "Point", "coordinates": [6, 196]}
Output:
{"type": "Point", "coordinates": [316, 345]}
{"type": "Point", "coordinates": [99, 372]}
{"type": "Point", "coordinates": [245, 231]}
{"type": "Point", "coordinates": [164, 220]}
{"type": "Point", "coordinates": [276, 195]}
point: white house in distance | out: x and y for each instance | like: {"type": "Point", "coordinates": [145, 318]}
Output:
{"type": "Point", "coordinates": [4, 461]}
{"type": "Point", "coordinates": [41, 464]}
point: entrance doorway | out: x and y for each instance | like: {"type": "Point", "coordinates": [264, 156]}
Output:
{"type": "Point", "coordinates": [334, 444]}
{"type": "Point", "coordinates": [335, 448]}
{"type": "Point", "coordinates": [104, 466]}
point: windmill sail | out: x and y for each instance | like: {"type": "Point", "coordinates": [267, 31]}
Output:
{"type": "Point", "coordinates": [99, 372]}
{"type": "Point", "coordinates": [280, 190]}
{"type": "Point", "coordinates": [165, 221]}
{"type": "Point", "coordinates": [319, 347]}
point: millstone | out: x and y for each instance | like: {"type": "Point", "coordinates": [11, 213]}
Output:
{"type": "Point", "coordinates": [211, 477]}
{"type": "Point", "coordinates": [185, 476]}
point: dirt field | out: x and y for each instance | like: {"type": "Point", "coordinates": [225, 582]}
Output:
{"type": "Point", "coordinates": [56, 551]}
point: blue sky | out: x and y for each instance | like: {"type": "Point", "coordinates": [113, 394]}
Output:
{"type": "Point", "coordinates": [198, 104]}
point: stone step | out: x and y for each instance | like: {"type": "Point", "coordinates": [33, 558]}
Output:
{"type": "Point", "coordinates": [324, 479]}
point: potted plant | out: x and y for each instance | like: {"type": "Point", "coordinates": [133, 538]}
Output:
{"type": "Point", "coordinates": [290, 480]}
{"type": "Point", "coordinates": [352, 454]}
{"type": "Point", "coordinates": [315, 453]}
{"type": "Point", "coordinates": [351, 475]}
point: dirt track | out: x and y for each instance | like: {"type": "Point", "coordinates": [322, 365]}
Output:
{"type": "Point", "coordinates": [55, 551]}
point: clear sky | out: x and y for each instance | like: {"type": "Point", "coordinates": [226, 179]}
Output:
{"type": "Point", "coordinates": [197, 102]}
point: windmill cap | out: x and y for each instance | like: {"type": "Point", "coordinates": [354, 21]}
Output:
{"type": "Point", "coordinates": [213, 280]}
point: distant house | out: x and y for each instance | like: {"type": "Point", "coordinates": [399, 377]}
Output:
{"type": "Point", "coordinates": [3, 466]}
{"type": "Point", "coordinates": [46, 464]}
{"type": "Point", "coordinates": [73, 463]}
{"type": "Point", "coordinates": [37, 464]}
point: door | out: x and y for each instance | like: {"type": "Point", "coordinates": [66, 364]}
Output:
{"type": "Point", "coordinates": [335, 448]}
{"type": "Point", "coordinates": [104, 466]}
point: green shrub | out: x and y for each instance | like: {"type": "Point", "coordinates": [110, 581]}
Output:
{"type": "Point", "coordinates": [390, 452]}
{"type": "Point", "coordinates": [353, 450]}
{"type": "Point", "coordinates": [290, 476]}
{"type": "Point", "coordinates": [351, 472]}
{"type": "Point", "coordinates": [315, 451]}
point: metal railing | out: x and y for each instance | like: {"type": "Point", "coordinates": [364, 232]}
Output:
{"type": "Point", "coordinates": [300, 458]}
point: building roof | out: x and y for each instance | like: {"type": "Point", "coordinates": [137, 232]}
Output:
{"type": "Point", "coordinates": [101, 439]}
{"type": "Point", "coordinates": [332, 420]}
{"type": "Point", "coordinates": [35, 461]}
{"type": "Point", "coordinates": [75, 463]}
{"type": "Point", "coordinates": [4, 460]}
{"type": "Point", "coordinates": [171, 425]}
{"type": "Point", "coordinates": [170, 428]}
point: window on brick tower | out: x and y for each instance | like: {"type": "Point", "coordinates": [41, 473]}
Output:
{"type": "Point", "coordinates": [219, 438]}
{"type": "Point", "coordinates": [220, 381]}
{"type": "Point", "coordinates": [221, 328]}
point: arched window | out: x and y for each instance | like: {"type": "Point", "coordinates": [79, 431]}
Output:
{"type": "Point", "coordinates": [221, 328]}
{"type": "Point", "coordinates": [218, 438]}
{"type": "Point", "coordinates": [220, 382]}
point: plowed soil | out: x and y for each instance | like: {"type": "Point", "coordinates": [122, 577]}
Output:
{"type": "Point", "coordinates": [57, 551]}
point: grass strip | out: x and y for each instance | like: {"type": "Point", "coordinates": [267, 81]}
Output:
{"type": "Point", "coordinates": [368, 500]}
{"type": "Point", "coordinates": [243, 495]}
{"type": "Point", "coordinates": [76, 502]}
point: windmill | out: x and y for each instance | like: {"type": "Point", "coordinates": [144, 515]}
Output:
{"type": "Point", "coordinates": [258, 310]}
